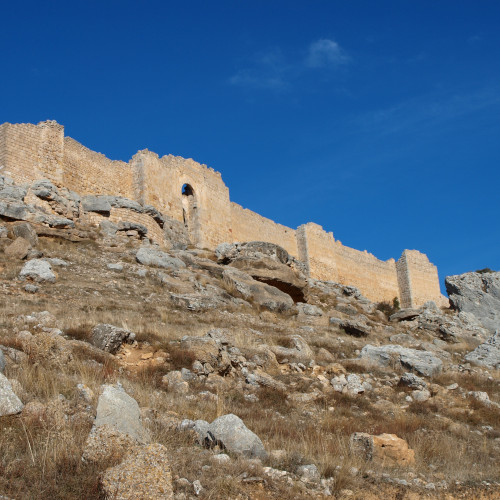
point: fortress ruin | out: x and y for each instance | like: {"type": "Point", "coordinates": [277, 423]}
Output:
{"type": "Point", "coordinates": [196, 197]}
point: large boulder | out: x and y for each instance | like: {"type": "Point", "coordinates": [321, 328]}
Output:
{"type": "Point", "coordinates": [150, 256]}
{"type": "Point", "coordinates": [38, 270]}
{"type": "Point", "coordinates": [10, 404]}
{"type": "Point", "coordinates": [144, 474]}
{"type": "Point", "coordinates": [109, 338]}
{"type": "Point", "coordinates": [26, 231]}
{"type": "Point", "coordinates": [230, 432]}
{"type": "Point", "coordinates": [385, 449]}
{"type": "Point", "coordinates": [487, 354]}
{"type": "Point", "coordinates": [268, 296]}
{"type": "Point", "coordinates": [18, 249]}
{"type": "Point", "coordinates": [423, 362]}
{"type": "Point", "coordinates": [117, 426]}
{"type": "Point", "coordinates": [268, 263]}
{"type": "Point", "coordinates": [477, 293]}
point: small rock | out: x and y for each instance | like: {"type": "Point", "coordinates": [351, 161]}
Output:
{"type": "Point", "coordinates": [386, 449]}
{"type": "Point", "coordinates": [37, 270]}
{"type": "Point", "coordinates": [115, 267]}
{"type": "Point", "coordinates": [197, 487]}
{"type": "Point", "coordinates": [18, 249]}
{"type": "Point", "coordinates": [31, 288]}
{"type": "Point", "coordinates": [10, 404]}
{"type": "Point", "coordinates": [109, 338]}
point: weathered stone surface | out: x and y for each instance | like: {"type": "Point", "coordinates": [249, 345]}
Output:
{"type": "Point", "coordinates": [38, 270]}
{"type": "Point", "coordinates": [2, 361]}
{"type": "Point", "coordinates": [412, 381]}
{"type": "Point", "coordinates": [205, 349]}
{"type": "Point", "coordinates": [268, 296]}
{"type": "Point", "coordinates": [423, 362]}
{"type": "Point", "coordinates": [121, 412]}
{"type": "Point", "coordinates": [109, 338]}
{"type": "Point", "coordinates": [144, 474]}
{"type": "Point", "coordinates": [487, 354]}
{"type": "Point", "coordinates": [13, 192]}
{"type": "Point", "coordinates": [309, 309]}
{"type": "Point", "coordinates": [10, 404]}
{"type": "Point", "coordinates": [15, 209]}
{"type": "Point", "coordinates": [405, 315]}
{"type": "Point", "coordinates": [152, 257]}
{"type": "Point", "coordinates": [97, 204]}
{"type": "Point", "coordinates": [385, 449]}
{"type": "Point", "coordinates": [300, 350]}
{"type": "Point", "coordinates": [18, 249]}
{"type": "Point", "coordinates": [26, 231]}
{"type": "Point", "coordinates": [479, 294]}
{"type": "Point", "coordinates": [355, 328]}
{"type": "Point", "coordinates": [230, 432]}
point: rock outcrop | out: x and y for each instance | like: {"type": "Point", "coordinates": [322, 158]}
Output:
{"type": "Point", "coordinates": [479, 294]}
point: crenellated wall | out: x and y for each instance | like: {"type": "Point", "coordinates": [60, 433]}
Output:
{"type": "Point", "coordinates": [30, 152]}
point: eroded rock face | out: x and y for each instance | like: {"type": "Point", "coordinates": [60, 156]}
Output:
{"type": "Point", "coordinates": [423, 362]}
{"type": "Point", "coordinates": [144, 474]}
{"type": "Point", "coordinates": [385, 449]}
{"type": "Point", "coordinates": [487, 354]}
{"type": "Point", "coordinates": [479, 294]}
{"type": "Point", "coordinates": [150, 256]}
{"type": "Point", "coordinates": [267, 263]}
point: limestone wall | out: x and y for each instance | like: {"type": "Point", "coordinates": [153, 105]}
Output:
{"type": "Point", "coordinates": [88, 172]}
{"type": "Point", "coordinates": [30, 152]}
{"type": "Point", "coordinates": [204, 213]}
{"type": "Point", "coordinates": [249, 226]}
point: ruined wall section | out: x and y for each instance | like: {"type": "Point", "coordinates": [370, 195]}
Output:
{"type": "Point", "coordinates": [418, 280]}
{"type": "Point", "coordinates": [250, 226]}
{"type": "Point", "coordinates": [30, 152]}
{"type": "Point", "coordinates": [330, 260]}
{"type": "Point", "coordinates": [160, 182]}
{"type": "Point", "coordinates": [377, 279]}
{"type": "Point", "coordinates": [88, 172]}
{"type": "Point", "coordinates": [316, 249]}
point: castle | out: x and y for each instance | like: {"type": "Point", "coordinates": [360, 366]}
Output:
{"type": "Point", "coordinates": [196, 196]}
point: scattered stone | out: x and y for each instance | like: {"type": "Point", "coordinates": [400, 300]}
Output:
{"type": "Point", "coordinates": [10, 404]}
{"type": "Point", "coordinates": [109, 338]}
{"type": "Point", "coordinates": [144, 474]}
{"type": "Point", "coordinates": [31, 288]}
{"type": "Point", "coordinates": [308, 472]}
{"type": "Point", "coordinates": [2, 361]}
{"type": "Point", "coordinates": [197, 487]}
{"type": "Point", "coordinates": [55, 261]}
{"type": "Point", "coordinates": [300, 350]}
{"type": "Point", "coordinates": [385, 449]}
{"type": "Point", "coordinates": [118, 266]}
{"type": "Point", "coordinates": [37, 270]}
{"type": "Point", "coordinates": [174, 382]}
{"type": "Point", "coordinates": [309, 309]}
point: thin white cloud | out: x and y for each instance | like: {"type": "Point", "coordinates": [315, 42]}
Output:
{"type": "Point", "coordinates": [272, 70]}
{"type": "Point", "coordinates": [325, 52]}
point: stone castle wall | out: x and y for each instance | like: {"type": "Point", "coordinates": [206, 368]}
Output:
{"type": "Point", "coordinates": [30, 152]}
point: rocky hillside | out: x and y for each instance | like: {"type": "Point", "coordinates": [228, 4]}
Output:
{"type": "Point", "coordinates": [129, 370]}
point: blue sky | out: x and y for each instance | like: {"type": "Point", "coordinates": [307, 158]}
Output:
{"type": "Point", "coordinates": [378, 120]}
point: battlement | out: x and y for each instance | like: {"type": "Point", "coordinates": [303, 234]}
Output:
{"type": "Point", "coordinates": [196, 196]}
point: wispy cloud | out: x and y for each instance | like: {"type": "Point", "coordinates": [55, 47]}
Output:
{"type": "Point", "coordinates": [325, 52]}
{"type": "Point", "coordinates": [428, 112]}
{"type": "Point", "coordinates": [273, 69]}
{"type": "Point", "coordinates": [267, 70]}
